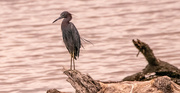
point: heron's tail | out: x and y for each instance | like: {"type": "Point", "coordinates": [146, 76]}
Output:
{"type": "Point", "coordinates": [85, 40]}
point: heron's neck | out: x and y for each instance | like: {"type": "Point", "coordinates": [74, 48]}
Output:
{"type": "Point", "coordinates": [66, 20]}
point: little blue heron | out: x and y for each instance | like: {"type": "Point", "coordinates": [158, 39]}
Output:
{"type": "Point", "coordinates": [70, 35]}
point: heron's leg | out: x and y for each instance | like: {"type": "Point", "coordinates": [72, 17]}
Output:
{"type": "Point", "coordinates": [73, 60]}
{"type": "Point", "coordinates": [71, 63]}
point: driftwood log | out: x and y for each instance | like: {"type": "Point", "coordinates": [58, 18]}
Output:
{"type": "Point", "coordinates": [155, 67]}
{"type": "Point", "coordinates": [157, 77]}
{"type": "Point", "coordinates": [83, 83]}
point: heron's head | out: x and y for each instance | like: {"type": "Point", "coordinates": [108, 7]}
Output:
{"type": "Point", "coordinates": [64, 14]}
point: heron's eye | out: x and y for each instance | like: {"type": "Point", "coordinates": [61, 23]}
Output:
{"type": "Point", "coordinates": [63, 15]}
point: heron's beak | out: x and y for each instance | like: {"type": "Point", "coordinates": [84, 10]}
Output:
{"type": "Point", "coordinates": [57, 19]}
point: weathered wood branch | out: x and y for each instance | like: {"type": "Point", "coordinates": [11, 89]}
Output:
{"type": "Point", "coordinates": [146, 51]}
{"type": "Point", "coordinates": [85, 84]}
{"type": "Point", "coordinates": [157, 85]}
{"type": "Point", "coordinates": [82, 83]}
{"type": "Point", "coordinates": [155, 66]}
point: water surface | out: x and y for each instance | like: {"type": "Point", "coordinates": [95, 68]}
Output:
{"type": "Point", "coordinates": [32, 53]}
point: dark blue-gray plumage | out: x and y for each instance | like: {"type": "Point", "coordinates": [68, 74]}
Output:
{"type": "Point", "coordinates": [70, 35]}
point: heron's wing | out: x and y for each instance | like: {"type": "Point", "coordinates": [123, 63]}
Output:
{"type": "Point", "coordinates": [76, 40]}
{"type": "Point", "coordinates": [68, 38]}
{"type": "Point", "coordinates": [76, 36]}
